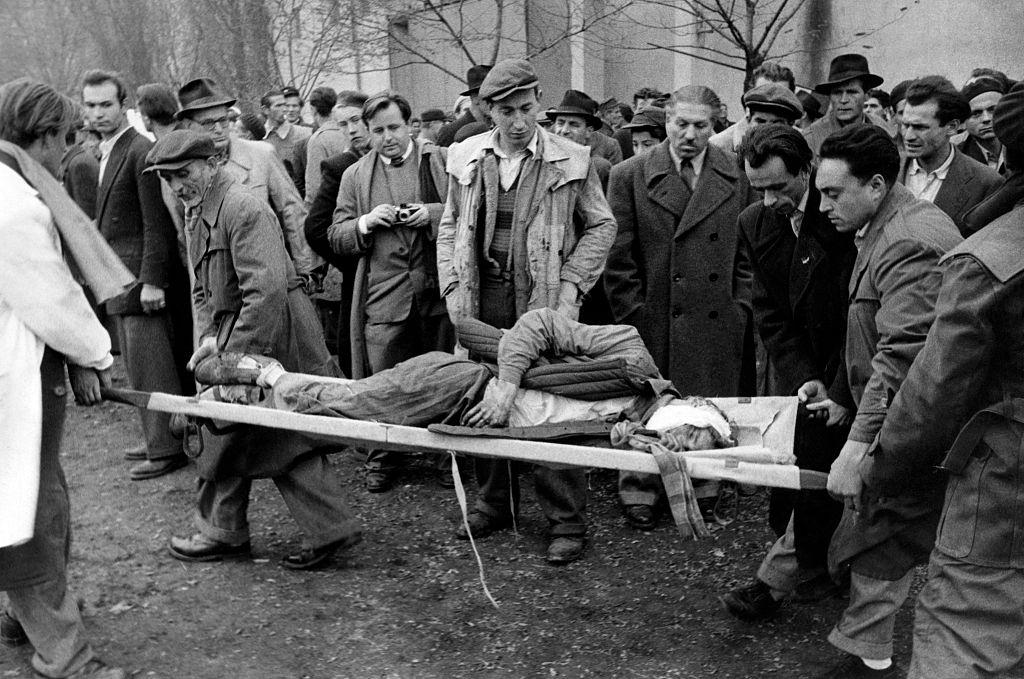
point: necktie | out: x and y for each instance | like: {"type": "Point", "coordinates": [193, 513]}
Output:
{"type": "Point", "coordinates": [687, 173]}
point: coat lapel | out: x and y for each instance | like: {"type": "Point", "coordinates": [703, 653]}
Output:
{"type": "Point", "coordinates": [954, 192]}
{"type": "Point", "coordinates": [118, 156]}
{"type": "Point", "coordinates": [714, 187]}
{"type": "Point", "coordinates": [810, 250]}
{"type": "Point", "coordinates": [664, 185]}
{"type": "Point", "coordinates": [897, 196]}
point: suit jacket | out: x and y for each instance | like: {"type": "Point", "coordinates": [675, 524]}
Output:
{"type": "Point", "coordinates": [967, 183]}
{"type": "Point", "coordinates": [255, 165]}
{"type": "Point", "coordinates": [321, 211]}
{"type": "Point", "coordinates": [675, 271]}
{"type": "Point", "coordinates": [800, 293]}
{"type": "Point", "coordinates": [972, 149]}
{"type": "Point", "coordinates": [131, 215]}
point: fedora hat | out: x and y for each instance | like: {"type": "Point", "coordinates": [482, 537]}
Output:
{"type": "Point", "coordinates": [475, 77]}
{"type": "Point", "coordinates": [847, 67]}
{"type": "Point", "coordinates": [576, 103]}
{"type": "Point", "coordinates": [195, 95]}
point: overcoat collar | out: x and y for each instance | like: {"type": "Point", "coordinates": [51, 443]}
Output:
{"type": "Point", "coordinates": [665, 187]}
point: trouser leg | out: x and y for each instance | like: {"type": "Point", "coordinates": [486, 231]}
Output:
{"type": "Point", "coordinates": [147, 347]}
{"type": "Point", "coordinates": [51, 620]}
{"type": "Point", "coordinates": [498, 481]}
{"type": "Point", "coordinates": [866, 626]}
{"type": "Point", "coordinates": [562, 494]}
{"type": "Point", "coordinates": [314, 496]}
{"type": "Point", "coordinates": [637, 488]}
{"type": "Point", "coordinates": [223, 508]}
{"type": "Point", "coordinates": [969, 622]}
{"type": "Point", "coordinates": [779, 568]}
{"type": "Point", "coordinates": [386, 346]}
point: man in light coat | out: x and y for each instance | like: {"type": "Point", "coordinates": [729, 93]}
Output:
{"type": "Point", "coordinates": [525, 226]}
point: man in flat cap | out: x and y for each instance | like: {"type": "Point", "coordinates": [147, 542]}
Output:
{"type": "Point", "coordinates": [768, 103]}
{"type": "Point", "coordinates": [525, 226]}
{"type": "Point", "coordinates": [248, 298]}
{"type": "Point", "coordinates": [476, 114]}
{"type": "Point", "coordinates": [770, 72]}
{"type": "Point", "coordinates": [205, 109]}
{"type": "Point", "coordinates": [849, 80]}
{"type": "Point", "coordinates": [961, 408]}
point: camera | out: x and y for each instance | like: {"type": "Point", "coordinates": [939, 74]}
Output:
{"type": "Point", "coordinates": [404, 212]}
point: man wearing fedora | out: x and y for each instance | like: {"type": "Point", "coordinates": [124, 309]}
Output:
{"type": "Point", "coordinates": [525, 226]}
{"type": "Point", "coordinates": [576, 119]}
{"type": "Point", "coordinates": [849, 80]}
{"type": "Point", "coordinates": [153, 321]}
{"type": "Point", "coordinates": [768, 103]}
{"type": "Point", "coordinates": [205, 108]}
{"type": "Point", "coordinates": [646, 129]}
{"type": "Point", "coordinates": [476, 113]}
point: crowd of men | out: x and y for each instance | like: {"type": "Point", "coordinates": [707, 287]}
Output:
{"type": "Point", "coordinates": [815, 247]}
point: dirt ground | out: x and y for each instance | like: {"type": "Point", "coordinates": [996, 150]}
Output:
{"type": "Point", "coordinates": [408, 603]}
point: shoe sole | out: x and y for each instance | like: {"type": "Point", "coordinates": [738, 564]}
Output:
{"type": "Point", "coordinates": [156, 475]}
{"type": "Point", "coordinates": [206, 558]}
{"type": "Point", "coordinates": [342, 545]}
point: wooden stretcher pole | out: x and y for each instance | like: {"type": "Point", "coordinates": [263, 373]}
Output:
{"type": "Point", "coordinates": [398, 437]}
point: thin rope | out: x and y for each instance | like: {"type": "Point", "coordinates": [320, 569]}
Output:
{"type": "Point", "coordinates": [460, 493]}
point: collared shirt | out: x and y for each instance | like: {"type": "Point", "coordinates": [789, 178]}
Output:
{"type": "Point", "coordinates": [281, 130]}
{"type": "Point", "coordinates": [106, 147]}
{"type": "Point", "coordinates": [697, 162]}
{"type": "Point", "coordinates": [796, 220]}
{"type": "Point", "coordinates": [405, 156]}
{"type": "Point", "coordinates": [925, 185]}
{"type": "Point", "coordinates": [509, 165]}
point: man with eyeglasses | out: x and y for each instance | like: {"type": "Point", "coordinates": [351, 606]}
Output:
{"type": "Point", "coordinates": [204, 108]}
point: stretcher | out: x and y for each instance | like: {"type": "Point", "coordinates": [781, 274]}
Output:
{"type": "Point", "coordinates": [764, 431]}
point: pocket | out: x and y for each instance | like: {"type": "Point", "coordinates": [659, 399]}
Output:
{"type": "Point", "coordinates": [958, 527]}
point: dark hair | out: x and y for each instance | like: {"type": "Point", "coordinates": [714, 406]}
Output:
{"type": "Point", "coordinates": [785, 142]}
{"type": "Point", "coordinates": [255, 124]}
{"type": "Point", "coordinates": [881, 95]}
{"type": "Point", "coordinates": [380, 101]}
{"type": "Point", "coordinates": [696, 94]}
{"type": "Point", "coordinates": [866, 149]}
{"type": "Point", "coordinates": [626, 112]}
{"type": "Point", "coordinates": [351, 98]}
{"type": "Point", "coordinates": [950, 104]}
{"type": "Point", "coordinates": [775, 72]}
{"type": "Point", "coordinates": [97, 77]}
{"type": "Point", "coordinates": [265, 100]}
{"type": "Point", "coordinates": [646, 93]}
{"type": "Point", "coordinates": [899, 92]}
{"type": "Point", "coordinates": [157, 102]}
{"type": "Point", "coordinates": [31, 110]}
{"type": "Point", "coordinates": [323, 99]}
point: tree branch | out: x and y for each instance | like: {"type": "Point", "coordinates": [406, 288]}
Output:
{"type": "Point", "coordinates": [697, 56]}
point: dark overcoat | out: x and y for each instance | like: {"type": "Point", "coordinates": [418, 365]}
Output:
{"type": "Point", "coordinates": [675, 271]}
{"type": "Point", "coordinates": [249, 297]}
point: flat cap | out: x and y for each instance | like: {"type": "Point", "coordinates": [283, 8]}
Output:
{"type": "Point", "coordinates": [178, 149]}
{"type": "Point", "coordinates": [647, 117]}
{"type": "Point", "coordinates": [774, 98]}
{"type": "Point", "coordinates": [1008, 118]}
{"type": "Point", "coordinates": [507, 77]}
{"type": "Point", "coordinates": [432, 114]}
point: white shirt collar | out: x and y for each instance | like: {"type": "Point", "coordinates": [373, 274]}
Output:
{"type": "Point", "coordinates": [940, 172]}
{"type": "Point", "coordinates": [530, 148]}
{"type": "Point", "coordinates": [405, 156]}
{"type": "Point", "coordinates": [282, 130]}
{"type": "Point", "coordinates": [107, 145]}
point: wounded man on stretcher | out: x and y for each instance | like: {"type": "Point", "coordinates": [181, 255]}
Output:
{"type": "Point", "coordinates": [547, 369]}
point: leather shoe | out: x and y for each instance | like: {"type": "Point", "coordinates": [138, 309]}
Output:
{"type": "Point", "coordinates": [852, 667]}
{"type": "Point", "coordinates": [481, 526]}
{"type": "Point", "coordinates": [751, 603]}
{"type": "Point", "coordinates": [565, 549]}
{"type": "Point", "coordinates": [94, 669]}
{"type": "Point", "coordinates": [378, 481]}
{"type": "Point", "coordinates": [641, 517]}
{"type": "Point", "coordinates": [135, 454]}
{"type": "Point", "coordinates": [312, 557]}
{"type": "Point", "coordinates": [11, 632]}
{"type": "Point", "coordinates": [201, 548]}
{"type": "Point", "coordinates": [151, 469]}
{"type": "Point", "coordinates": [820, 587]}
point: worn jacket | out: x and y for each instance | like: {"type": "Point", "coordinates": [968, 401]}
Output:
{"type": "Point", "coordinates": [354, 200]}
{"type": "Point", "coordinates": [800, 294]}
{"type": "Point", "coordinates": [249, 297]}
{"type": "Point", "coordinates": [972, 149]}
{"type": "Point", "coordinates": [967, 183]}
{"type": "Point", "coordinates": [326, 141]}
{"type": "Point", "coordinates": [821, 129]}
{"type": "Point", "coordinates": [971, 371]}
{"type": "Point", "coordinates": [676, 272]}
{"type": "Point", "coordinates": [131, 215]}
{"type": "Point", "coordinates": [559, 204]}
{"type": "Point", "coordinates": [256, 165]}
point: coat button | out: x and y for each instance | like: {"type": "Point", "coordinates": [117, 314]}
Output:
{"type": "Point", "coordinates": [713, 315]}
{"type": "Point", "coordinates": [713, 236]}
{"type": "Point", "coordinates": [676, 312]}
{"type": "Point", "coordinates": [713, 277]}
{"type": "Point", "coordinates": [677, 278]}
{"type": "Point", "coordinates": [60, 391]}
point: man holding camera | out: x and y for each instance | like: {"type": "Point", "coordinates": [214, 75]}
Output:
{"type": "Point", "coordinates": [389, 207]}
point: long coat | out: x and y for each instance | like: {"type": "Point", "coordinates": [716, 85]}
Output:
{"type": "Point", "coordinates": [249, 297]}
{"type": "Point", "coordinates": [967, 183]}
{"type": "Point", "coordinates": [675, 271]}
{"type": "Point", "coordinates": [353, 202]}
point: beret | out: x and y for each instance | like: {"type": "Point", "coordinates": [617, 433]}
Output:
{"type": "Point", "coordinates": [981, 85]}
{"type": "Point", "coordinates": [507, 77]}
{"type": "Point", "coordinates": [178, 149]}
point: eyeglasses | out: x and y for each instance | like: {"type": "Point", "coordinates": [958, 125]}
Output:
{"type": "Point", "coordinates": [216, 122]}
